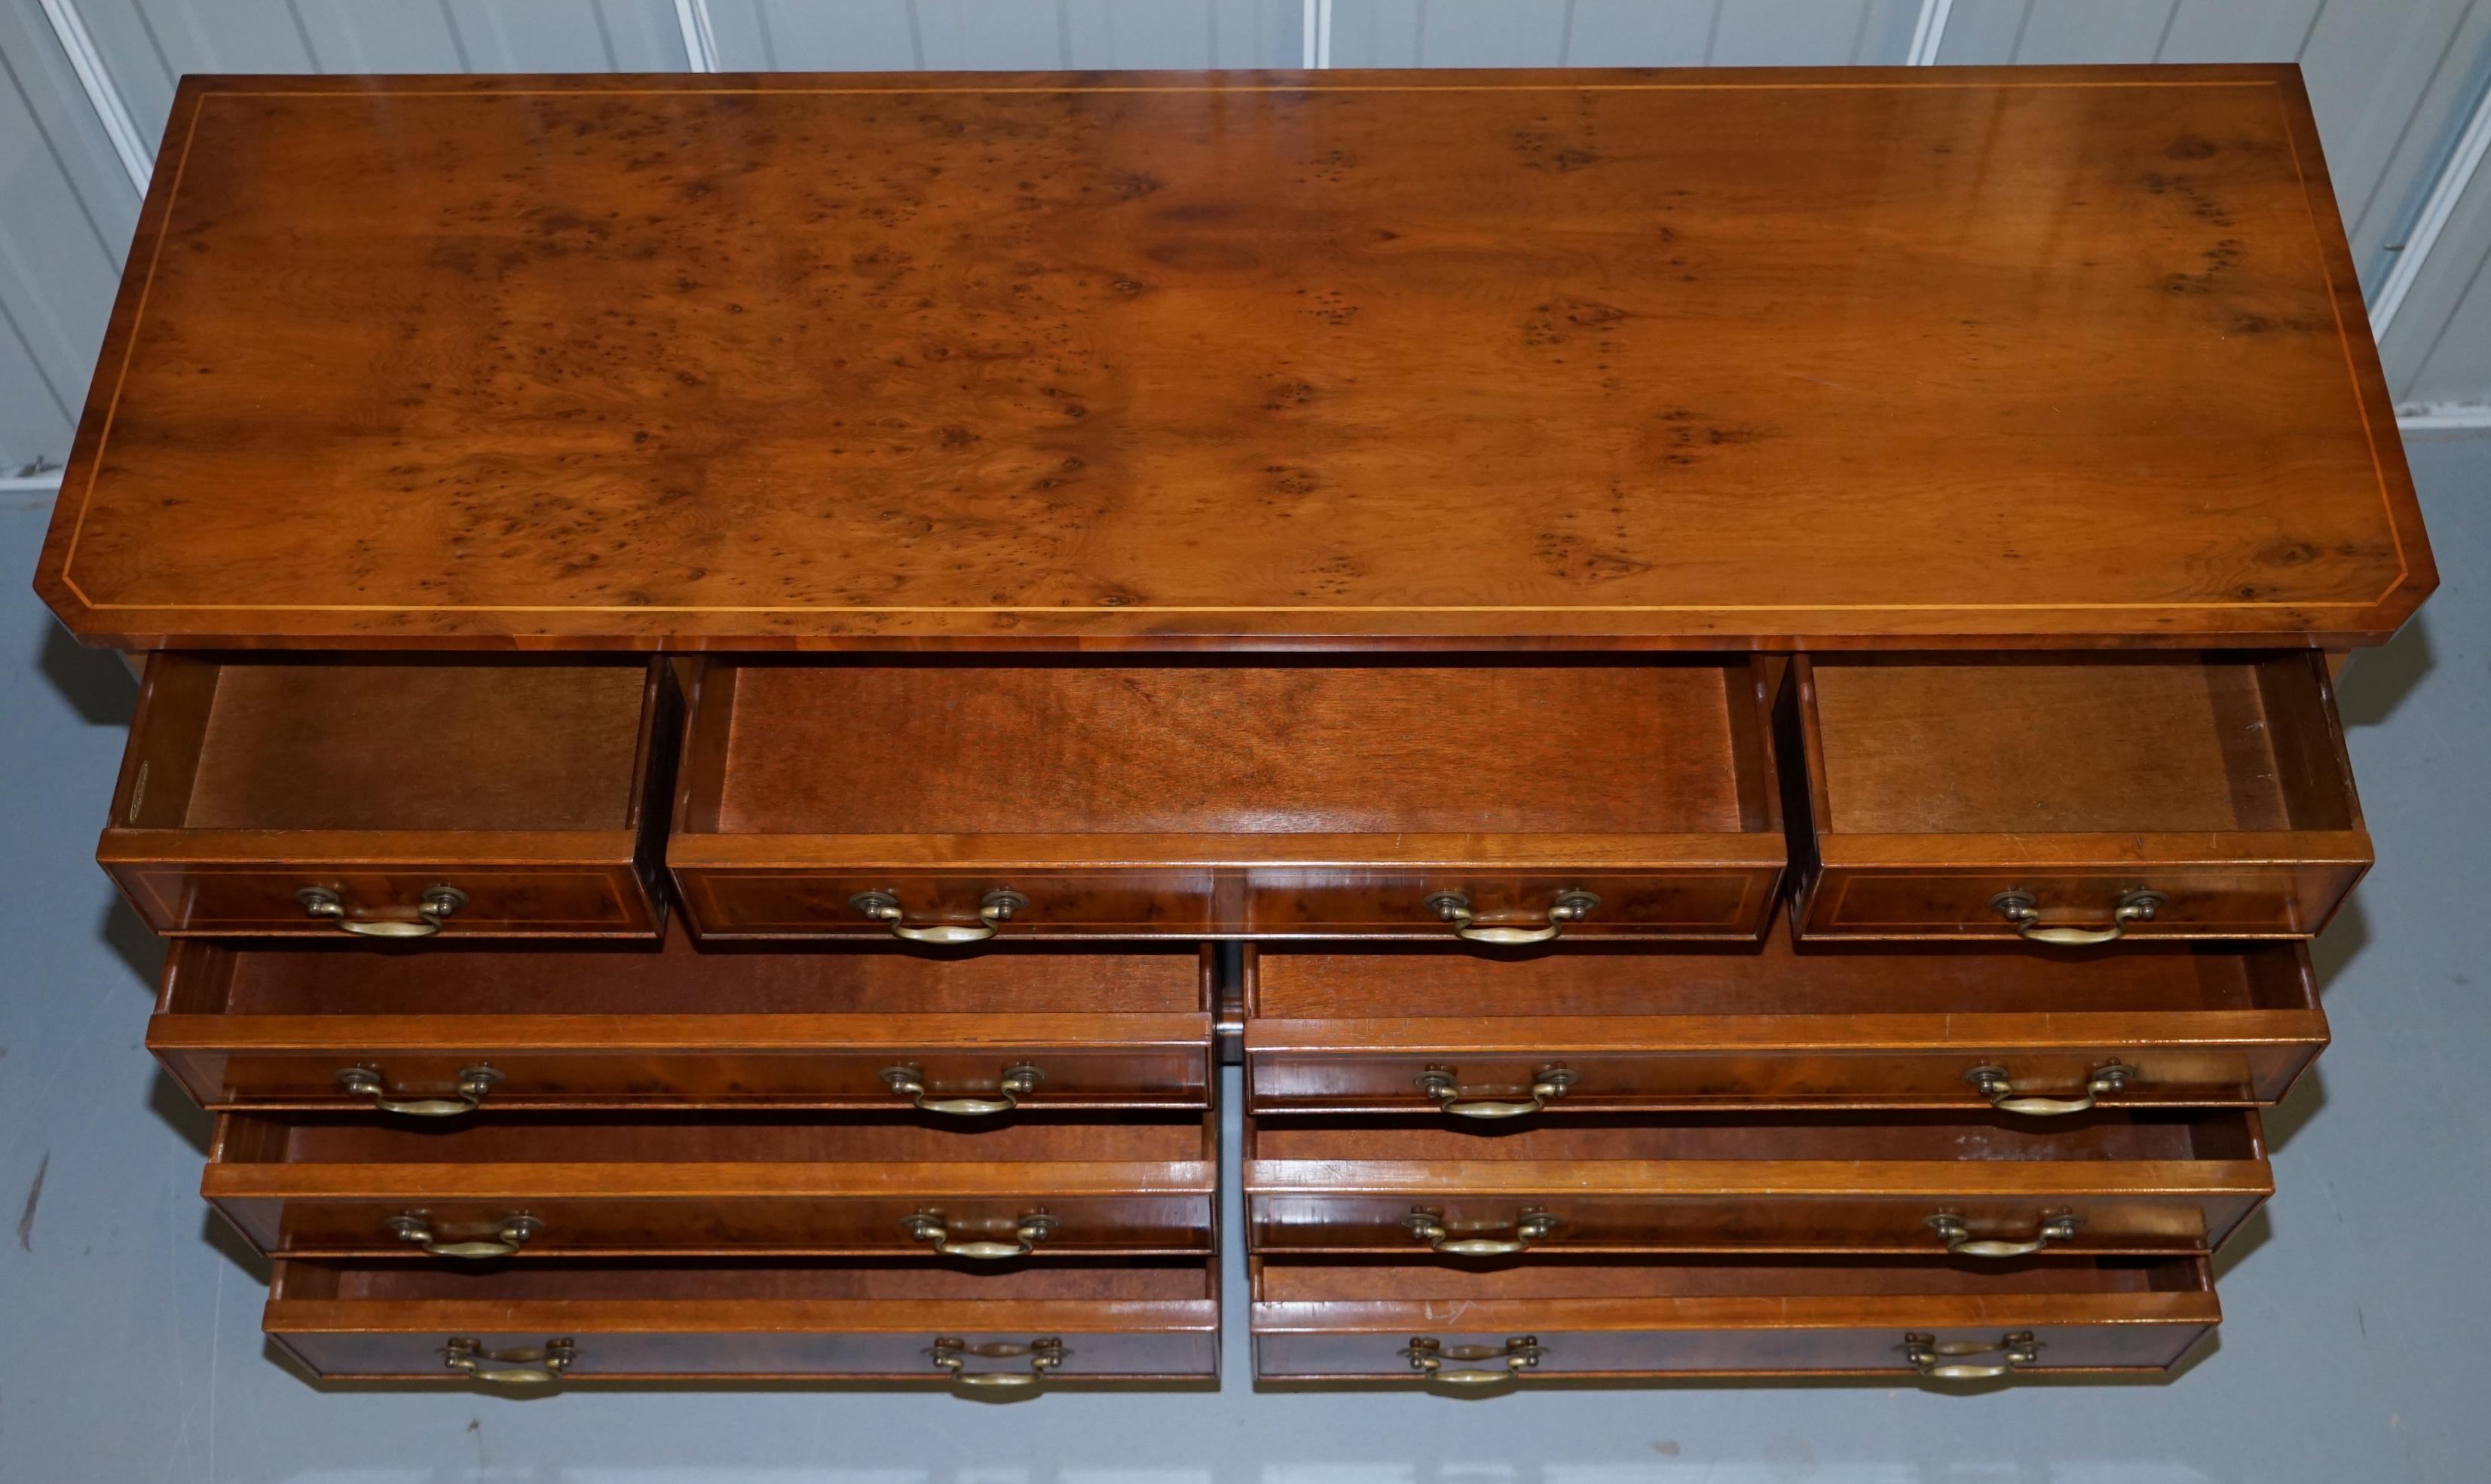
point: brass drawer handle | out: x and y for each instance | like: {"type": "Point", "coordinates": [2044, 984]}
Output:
{"type": "Point", "coordinates": [416, 1229]}
{"type": "Point", "coordinates": [474, 1082]}
{"type": "Point", "coordinates": [1438, 1082]}
{"type": "Point", "coordinates": [1427, 1355]}
{"type": "Point", "coordinates": [2020, 909]}
{"type": "Point", "coordinates": [1959, 1241]}
{"type": "Point", "coordinates": [1573, 905]}
{"type": "Point", "coordinates": [532, 1366]}
{"type": "Point", "coordinates": [994, 909]}
{"type": "Point", "coordinates": [1994, 1084]}
{"type": "Point", "coordinates": [1428, 1226]}
{"type": "Point", "coordinates": [1932, 1357]}
{"type": "Point", "coordinates": [1045, 1355]}
{"type": "Point", "coordinates": [1018, 1081]}
{"type": "Point", "coordinates": [931, 1227]}
{"type": "Point", "coordinates": [431, 914]}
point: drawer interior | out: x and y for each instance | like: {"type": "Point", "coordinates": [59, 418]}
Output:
{"type": "Point", "coordinates": [2142, 1134]}
{"type": "Point", "coordinates": [716, 1138]}
{"type": "Point", "coordinates": [452, 977]}
{"type": "Point", "coordinates": [1934, 744]}
{"type": "Point", "coordinates": [1667, 745]}
{"type": "Point", "coordinates": [1361, 1281]}
{"type": "Point", "coordinates": [1774, 978]}
{"type": "Point", "coordinates": [385, 742]}
{"type": "Point", "coordinates": [591, 1280]}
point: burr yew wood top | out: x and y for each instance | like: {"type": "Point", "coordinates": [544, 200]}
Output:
{"type": "Point", "coordinates": [1818, 358]}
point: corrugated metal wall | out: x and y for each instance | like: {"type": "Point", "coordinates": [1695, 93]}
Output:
{"type": "Point", "coordinates": [2396, 82]}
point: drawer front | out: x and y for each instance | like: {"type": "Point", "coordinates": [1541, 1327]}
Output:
{"type": "Point", "coordinates": [1496, 1085]}
{"type": "Point", "coordinates": [2287, 900]}
{"type": "Point", "coordinates": [432, 1068]}
{"type": "Point", "coordinates": [1561, 1221]}
{"type": "Point", "coordinates": [887, 1225]}
{"type": "Point", "coordinates": [1287, 902]}
{"type": "Point", "coordinates": [795, 902]}
{"type": "Point", "coordinates": [393, 1343]}
{"type": "Point", "coordinates": [188, 897]}
{"type": "Point", "coordinates": [1462, 1355]}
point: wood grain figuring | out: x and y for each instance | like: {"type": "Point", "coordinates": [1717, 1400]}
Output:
{"type": "Point", "coordinates": [717, 1184]}
{"type": "Point", "coordinates": [1150, 799]}
{"type": "Point", "coordinates": [1645, 358]}
{"type": "Point", "coordinates": [1930, 786]}
{"type": "Point", "coordinates": [291, 747]}
{"type": "Point", "coordinates": [1342, 1318]}
{"type": "Point", "coordinates": [267, 1025]}
{"type": "Point", "coordinates": [857, 1320]}
{"type": "Point", "coordinates": [1319, 748]}
{"type": "Point", "coordinates": [534, 789]}
{"type": "Point", "coordinates": [1658, 1028]}
{"type": "Point", "coordinates": [2136, 1182]}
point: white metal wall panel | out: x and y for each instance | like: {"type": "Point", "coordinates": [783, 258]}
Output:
{"type": "Point", "coordinates": [554, 36]}
{"type": "Point", "coordinates": [981, 35]}
{"type": "Point", "coordinates": [2438, 347]}
{"type": "Point", "coordinates": [1638, 32]}
{"type": "Point", "coordinates": [778, 36]}
{"type": "Point", "coordinates": [1813, 33]}
{"type": "Point", "coordinates": [66, 215]}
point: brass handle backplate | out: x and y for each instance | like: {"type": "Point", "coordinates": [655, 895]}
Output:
{"type": "Point", "coordinates": [1427, 1355]}
{"type": "Point", "coordinates": [994, 909]}
{"type": "Point", "coordinates": [1934, 1359]}
{"type": "Point", "coordinates": [1018, 1081]}
{"type": "Point", "coordinates": [1428, 1226]}
{"type": "Point", "coordinates": [954, 1356]}
{"type": "Point", "coordinates": [2019, 908]}
{"type": "Point", "coordinates": [415, 1227]}
{"type": "Point", "coordinates": [431, 914]}
{"type": "Point", "coordinates": [531, 1366]}
{"type": "Point", "coordinates": [1573, 905]}
{"type": "Point", "coordinates": [931, 1228]}
{"type": "Point", "coordinates": [1995, 1085]}
{"type": "Point", "coordinates": [474, 1082]}
{"type": "Point", "coordinates": [1956, 1234]}
{"type": "Point", "coordinates": [1440, 1084]}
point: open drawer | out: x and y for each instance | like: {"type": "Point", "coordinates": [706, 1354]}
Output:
{"type": "Point", "coordinates": [526, 1326]}
{"type": "Point", "coordinates": [2070, 799]}
{"type": "Point", "coordinates": [1929, 1185]}
{"type": "Point", "coordinates": [395, 797]}
{"type": "Point", "coordinates": [553, 1186]}
{"type": "Point", "coordinates": [1344, 1319]}
{"type": "Point", "coordinates": [1606, 1028]}
{"type": "Point", "coordinates": [526, 1026]}
{"type": "Point", "coordinates": [1500, 801]}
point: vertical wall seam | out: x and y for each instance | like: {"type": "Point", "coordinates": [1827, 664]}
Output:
{"type": "Point", "coordinates": [701, 42]}
{"type": "Point", "coordinates": [1928, 33]}
{"type": "Point", "coordinates": [2445, 192]}
{"type": "Point", "coordinates": [111, 109]}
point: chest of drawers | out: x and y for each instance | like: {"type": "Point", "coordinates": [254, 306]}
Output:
{"type": "Point", "coordinates": [1725, 698]}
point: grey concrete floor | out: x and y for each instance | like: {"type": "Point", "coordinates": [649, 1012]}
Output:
{"type": "Point", "coordinates": [2357, 1310]}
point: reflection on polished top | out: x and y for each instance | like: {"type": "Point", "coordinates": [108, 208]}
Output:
{"type": "Point", "coordinates": [1358, 360]}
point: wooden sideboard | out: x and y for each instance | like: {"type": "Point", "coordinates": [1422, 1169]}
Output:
{"type": "Point", "coordinates": [1720, 682]}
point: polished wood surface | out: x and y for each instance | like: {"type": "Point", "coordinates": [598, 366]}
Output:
{"type": "Point", "coordinates": [754, 1321]}
{"type": "Point", "coordinates": [269, 1026]}
{"type": "Point", "coordinates": [2155, 1182]}
{"type": "Point", "coordinates": [534, 789]}
{"type": "Point", "coordinates": [1144, 799]}
{"type": "Point", "coordinates": [313, 1185]}
{"type": "Point", "coordinates": [1699, 359]}
{"type": "Point", "coordinates": [1922, 787]}
{"type": "Point", "coordinates": [1342, 1318]}
{"type": "Point", "coordinates": [1652, 1027]}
